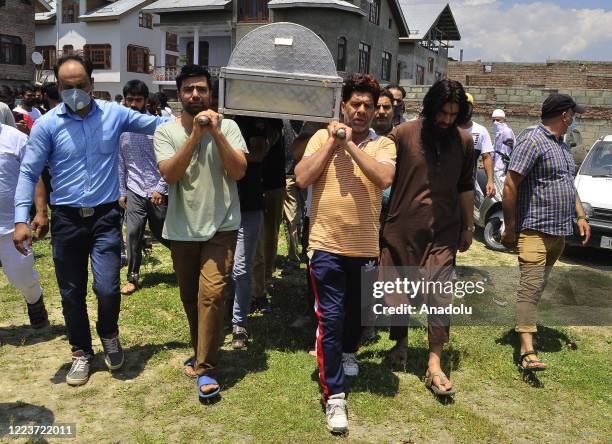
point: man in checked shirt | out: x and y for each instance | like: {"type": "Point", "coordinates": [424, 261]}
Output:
{"type": "Point", "coordinates": [144, 194]}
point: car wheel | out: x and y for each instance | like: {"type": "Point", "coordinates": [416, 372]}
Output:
{"type": "Point", "coordinates": [492, 234]}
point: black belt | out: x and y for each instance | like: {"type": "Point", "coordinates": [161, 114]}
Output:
{"type": "Point", "coordinates": [84, 211]}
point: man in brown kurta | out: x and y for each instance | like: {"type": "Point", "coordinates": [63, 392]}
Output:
{"type": "Point", "coordinates": [430, 209]}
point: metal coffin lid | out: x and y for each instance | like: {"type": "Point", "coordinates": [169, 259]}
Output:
{"type": "Point", "coordinates": [281, 70]}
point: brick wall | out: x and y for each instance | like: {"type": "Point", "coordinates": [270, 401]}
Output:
{"type": "Point", "coordinates": [552, 74]}
{"type": "Point", "coordinates": [17, 19]}
{"type": "Point", "coordinates": [523, 108]}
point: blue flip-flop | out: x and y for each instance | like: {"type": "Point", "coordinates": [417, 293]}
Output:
{"type": "Point", "coordinates": [207, 380]}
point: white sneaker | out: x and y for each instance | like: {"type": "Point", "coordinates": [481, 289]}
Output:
{"type": "Point", "coordinates": [335, 414]}
{"type": "Point", "coordinates": [349, 363]}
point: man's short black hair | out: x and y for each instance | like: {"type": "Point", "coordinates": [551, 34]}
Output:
{"type": "Point", "coordinates": [6, 91]}
{"type": "Point", "coordinates": [118, 97]}
{"type": "Point", "coordinates": [26, 87]}
{"type": "Point", "coordinates": [135, 88]}
{"type": "Point", "coordinates": [50, 89]}
{"type": "Point", "coordinates": [77, 58]}
{"type": "Point", "coordinates": [399, 88]}
{"type": "Point", "coordinates": [363, 83]}
{"type": "Point", "coordinates": [192, 71]}
{"type": "Point", "coordinates": [153, 99]}
{"type": "Point", "coordinates": [387, 94]}
{"type": "Point", "coordinates": [163, 99]}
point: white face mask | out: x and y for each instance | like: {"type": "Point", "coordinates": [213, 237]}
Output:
{"type": "Point", "coordinates": [497, 127]}
{"type": "Point", "coordinates": [76, 99]}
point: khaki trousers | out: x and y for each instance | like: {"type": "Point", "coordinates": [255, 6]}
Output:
{"type": "Point", "coordinates": [203, 270]}
{"type": "Point", "coordinates": [267, 246]}
{"type": "Point", "coordinates": [292, 217]}
{"type": "Point", "coordinates": [538, 252]}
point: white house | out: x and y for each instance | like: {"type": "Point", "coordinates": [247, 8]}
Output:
{"type": "Point", "coordinates": [119, 38]}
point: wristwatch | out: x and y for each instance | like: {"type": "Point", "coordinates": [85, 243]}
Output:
{"type": "Point", "coordinates": [582, 217]}
{"type": "Point", "coordinates": [470, 228]}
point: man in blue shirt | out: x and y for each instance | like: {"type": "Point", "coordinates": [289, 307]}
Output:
{"type": "Point", "coordinates": [79, 140]}
{"type": "Point", "coordinates": [539, 203]}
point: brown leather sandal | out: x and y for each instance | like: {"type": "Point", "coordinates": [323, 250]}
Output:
{"type": "Point", "coordinates": [443, 380]}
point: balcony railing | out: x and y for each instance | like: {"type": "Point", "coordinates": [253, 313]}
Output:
{"type": "Point", "coordinates": [169, 73]}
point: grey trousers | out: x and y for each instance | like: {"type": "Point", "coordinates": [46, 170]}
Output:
{"type": "Point", "coordinates": [139, 211]}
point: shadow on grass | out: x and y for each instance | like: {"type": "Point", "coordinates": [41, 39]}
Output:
{"type": "Point", "coordinates": [136, 359]}
{"type": "Point", "coordinates": [23, 335]}
{"type": "Point", "coordinates": [154, 278]}
{"type": "Point", "coordinates": [373, 378]}
{"type": "Point", "coordinates": [547, 340]}
{"type": "Point", "coordinates": [20, 414]}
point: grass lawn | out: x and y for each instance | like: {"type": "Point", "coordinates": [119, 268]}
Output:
{"type": "Point", "coordinates": [270, 391]}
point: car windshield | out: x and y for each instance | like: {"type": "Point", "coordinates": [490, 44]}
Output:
{"type": "Point", "coordinates": [599, 160]}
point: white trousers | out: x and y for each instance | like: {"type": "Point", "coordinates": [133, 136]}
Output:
{"type": "Point", "coordinates": [19, 269]}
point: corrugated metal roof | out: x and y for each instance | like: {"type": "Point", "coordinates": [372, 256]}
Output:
{"type": "Point", "coordinates": [422, 15]}
{"type": "Point", "coordinates": [113, 9]}
{"type": "Point", "coordinates": [189, 5]}
{"type": "Point", "coordinates": [336, 4]}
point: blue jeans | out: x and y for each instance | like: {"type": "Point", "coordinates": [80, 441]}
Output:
{"type": "Point", "coordinates": [75, 240]}
{"type": "Point", "coordinates": [242, 273]}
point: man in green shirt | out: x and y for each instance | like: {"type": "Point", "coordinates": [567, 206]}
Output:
{"type": "Point", "coordinates": [201, 165]}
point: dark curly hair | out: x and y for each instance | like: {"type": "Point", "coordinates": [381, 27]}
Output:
{"type": "Point", "coordinates": [364, 83]}
{"type": "Point", "coordinates": [440, 93]}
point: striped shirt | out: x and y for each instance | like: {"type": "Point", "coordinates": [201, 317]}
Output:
{"type": "Point", "coordinates": [345, 211]}
{"type": "Point", "coordinates": [138, 170]}
{"type": "Point", "coordinates": [546, 196]}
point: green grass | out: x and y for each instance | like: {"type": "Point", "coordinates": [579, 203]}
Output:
{"type": "Point", "coordinates": [270, 391]}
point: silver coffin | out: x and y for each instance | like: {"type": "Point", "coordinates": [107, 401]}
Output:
{"type": "Point", "coordinates": [281, 70]}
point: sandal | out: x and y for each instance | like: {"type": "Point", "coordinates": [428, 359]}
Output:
{"type": "Point", "coordinates": [434, 388]}
{"type": "Point", "coordinates": [207, 380]}
{"type": "Point", "coordinates": [191, 364]}
{"type": "Point", "coordinates": [533, 365]}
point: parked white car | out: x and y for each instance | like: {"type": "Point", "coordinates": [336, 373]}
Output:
{"type": "Point", "coordinates": [594, 185]}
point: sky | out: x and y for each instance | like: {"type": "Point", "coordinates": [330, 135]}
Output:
{"type": "Point", "coordinates": [533, 31]}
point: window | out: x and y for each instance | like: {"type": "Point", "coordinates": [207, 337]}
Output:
{"type": "Point", "coordinates": [375, 11]}
{"type": "Point", "coordinates": [341, 65]}
{"type": "Point", "coordinates": [252, 10]}
{"type": "Point", "coordinates": [171, 60]}
{"type": "Point", "coordinates": [364, 58]}
{"type": "Point", "coordinates": [26, 2]}
{"type": "Point", "coordinates": [67, 49]}
{"type": "Point", "coordinates": [386, 66]}
{"type": "Point", "coordinates": [430, 64]}
{"type": "Point", "coordinates": [202, 54]}
{"type": "Point", "coordinates": [420, 75]}
{"type": "Point", "coordinates": [2, 3]}
{"type": "Point", "coordinates": [145, 20]}
{"type": "Point", "coordinates": [390, 23]}
{"type": "Point", "coordinates": [100, 55]}
{"type": "Point", "coordinates": [70, 11]}
{"type": "Point", "coordinates": [438, 76]}
{"type": "Point", "coordinates": [171, 42]}
{"type": "Point", "coordinates": [49, 56]}
{"type": "Point", "coordinates": [12, 51]}
{"type": "Point", "coordinates": [137, 59]}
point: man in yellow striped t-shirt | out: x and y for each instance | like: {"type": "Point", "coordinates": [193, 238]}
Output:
{"type": "Point", "coordinates": [348, 176]}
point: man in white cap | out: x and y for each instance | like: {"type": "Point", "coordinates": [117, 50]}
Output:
{"type": "Point", "coordinates": [504, 142]}
{"type": "Point", "coordinates": [482, 145]}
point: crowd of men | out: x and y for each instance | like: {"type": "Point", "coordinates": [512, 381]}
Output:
{"type": "Point", "coordinates": [373, 189]}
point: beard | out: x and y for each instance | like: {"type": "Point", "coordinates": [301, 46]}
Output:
{"type": "Point", "coordinates": [382, 125]}
{"type": "Point", "coordinates": [194, 108]}
{"type": "Point", "coordinates": [142, 110]}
